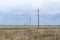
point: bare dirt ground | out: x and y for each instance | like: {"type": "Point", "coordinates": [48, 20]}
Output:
{"type": "Point", "coordinates": [22, 33]}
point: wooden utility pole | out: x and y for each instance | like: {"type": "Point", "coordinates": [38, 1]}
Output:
{"type": "Point", "coordinates": [30, 21]}
{"type": "Point", "coordinates": [38, 17]}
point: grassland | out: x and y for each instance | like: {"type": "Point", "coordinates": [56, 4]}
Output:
{"type": "Point", "coordinates": [29, 33]}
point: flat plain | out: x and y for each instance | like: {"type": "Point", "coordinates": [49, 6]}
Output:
{"type": "Point", "coordinates": [19, 32]}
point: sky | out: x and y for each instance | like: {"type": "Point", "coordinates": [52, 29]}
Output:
{"type": "Point", "coordinates": [19, 12]}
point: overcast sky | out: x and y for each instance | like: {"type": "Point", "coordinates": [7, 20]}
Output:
{"type": "Point", "coordinates": [20, 5]}
{"type": "Point", "coordinates": [19, 11]}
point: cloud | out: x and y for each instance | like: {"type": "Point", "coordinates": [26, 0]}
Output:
{"type": "Point", "coordinates": [11, 11]}
{"type": "Point", "coordinates": [47, 19]}
{"type": "Point", "coordinates": [14, 6]}
{"type": "Point", "coordinates": [7, 5]}
{"type": "Point", "coordinates": [51, 6]}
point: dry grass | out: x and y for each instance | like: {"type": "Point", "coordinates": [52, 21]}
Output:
{"type": "Point", "coordinates": [29, 34]}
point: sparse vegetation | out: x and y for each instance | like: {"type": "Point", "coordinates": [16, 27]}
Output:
{"type": "Point", "coordinates": [29, 34]}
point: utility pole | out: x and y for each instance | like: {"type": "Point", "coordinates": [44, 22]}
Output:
{"type": "Point", "coordinates": [38, 17]}
{"type": "Point", "coordinates": [30, 21]}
